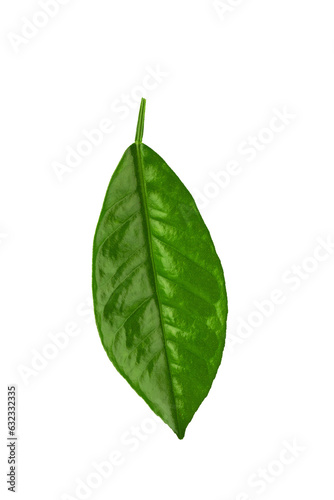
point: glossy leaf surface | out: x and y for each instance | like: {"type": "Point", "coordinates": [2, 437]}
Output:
{"type": "Point", "coordinates": [158, 286]}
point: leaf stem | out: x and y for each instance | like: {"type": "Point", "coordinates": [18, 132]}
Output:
{"type": "Point", "coordinates": [140, 123]}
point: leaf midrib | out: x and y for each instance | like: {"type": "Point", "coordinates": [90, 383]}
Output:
{"type": "Point", "coordinates": [143, 191]}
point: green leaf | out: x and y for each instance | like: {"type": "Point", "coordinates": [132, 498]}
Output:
{"type": "Point", "coordinates": [158, 286]}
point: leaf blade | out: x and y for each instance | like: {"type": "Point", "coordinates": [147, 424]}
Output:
{"type": "Point", "coordinates": [159, 291]}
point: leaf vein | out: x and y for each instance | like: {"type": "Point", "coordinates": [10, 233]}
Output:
{"type": "Point", "coordinates": [149, 362]}
{"type": "Point", "coordinates": [186, 289]}
{"type": "Point", "coordinates": [188, 350]}
{"type": "Point", "coordinates": [121, 265]}
{"type": "Point", "coordinates": [183, 255]}
{"type": "Point", "coordinates": [127, 319]}
{"type": "Point", "coordinates": [139, 343]}
{"type": "Point", "coordinates": [119, 201]}
{"type": "Point", "coordinates": [122, 282]}
{"type": "Point", "coordinates": [117, 229]}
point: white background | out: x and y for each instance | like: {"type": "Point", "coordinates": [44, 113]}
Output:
{"type": "Point", "coordinates": [224, 77]}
